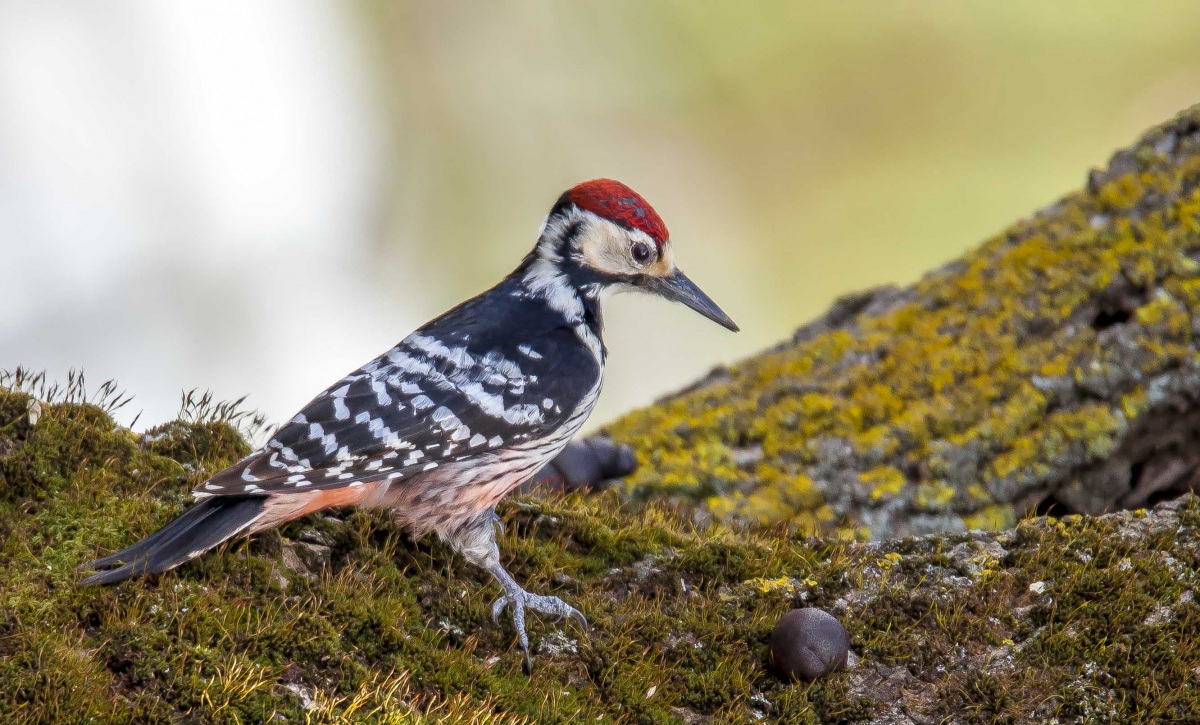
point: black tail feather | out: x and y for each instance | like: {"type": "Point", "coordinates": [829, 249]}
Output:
{"type": "Point", "coordinates": [188, 535]}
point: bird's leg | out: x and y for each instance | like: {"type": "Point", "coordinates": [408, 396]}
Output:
{"type": "Point", "coordinates": [516, 597]}
{"type": "Point", "coordinates": [477, 543]}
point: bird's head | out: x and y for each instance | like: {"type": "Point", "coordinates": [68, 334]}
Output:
{"type": "Point", "coordinates": [602, 237]}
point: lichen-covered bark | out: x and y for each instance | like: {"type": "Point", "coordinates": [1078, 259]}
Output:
{"type": "Point", "coordinates": [339, 618]}
{"type": "Point", "coordinates": [1055, 368]}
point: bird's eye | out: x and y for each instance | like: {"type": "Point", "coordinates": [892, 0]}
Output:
{"type": "Point", "coordinates": [642, 252]}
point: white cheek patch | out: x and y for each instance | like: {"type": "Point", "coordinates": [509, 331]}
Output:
{"type": "Point", "coordinates": [604, 246]}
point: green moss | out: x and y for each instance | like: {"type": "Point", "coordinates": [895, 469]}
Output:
{"type": "Point", "coordinates": [680, 617]}
{"type": "Point", "coordinates": [200, 444]}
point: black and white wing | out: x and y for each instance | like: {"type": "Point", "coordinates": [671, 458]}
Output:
{"type": "Point", "coordinates": [451, 391]}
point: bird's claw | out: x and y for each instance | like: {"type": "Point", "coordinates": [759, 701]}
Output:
{"type": "Point", "coordinates": [538, 603]}
{"type": "Point", "coordinates": [522, 600]}
{"type": "Point", "coordinates": [498, 607]}
{"type": "Point", "coordinates": [498, 521]}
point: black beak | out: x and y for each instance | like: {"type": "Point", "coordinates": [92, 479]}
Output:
{"type": "Point", "coordinates": [679, 288]}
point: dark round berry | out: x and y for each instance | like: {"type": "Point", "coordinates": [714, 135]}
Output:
{"type": "Point", "coordinates": [808, 643]}
{"type": "Point", "coordinates": [642, 252]}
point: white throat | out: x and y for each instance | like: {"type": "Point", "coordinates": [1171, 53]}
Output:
{"type": "Point", "coordinates": [545, 279]}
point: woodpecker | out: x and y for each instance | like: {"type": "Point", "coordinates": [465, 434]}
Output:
{"type": "Point", "coordinates": [459, 413]}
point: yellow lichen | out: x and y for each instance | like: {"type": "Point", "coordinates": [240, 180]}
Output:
{"type": "Point", "coordinates": [991, 518]}
{"type": "Point", "coordinates": [771, 586]}
{"type": "Point", "coordinates": [887, 561]}
{"type": "Point", "coordinates": [883, 481]}
{"type": "Point", "coordinates": [934, 494]}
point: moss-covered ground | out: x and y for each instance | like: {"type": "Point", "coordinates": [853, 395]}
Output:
{"type": "Point", "coordinates": [343, 619]}
{"type": "Point", "coordinates": [1058, 363]}
{"type": "Point", "coordinates": [1040, 368]}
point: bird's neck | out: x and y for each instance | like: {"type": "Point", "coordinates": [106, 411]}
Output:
{"type": "Point", "coordinates": [553, 278]}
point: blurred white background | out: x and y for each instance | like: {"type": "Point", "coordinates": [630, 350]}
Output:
{"type": "Point", "coordinates": [257, 197]}
{"type": "Point", "coordinates": [187, 195]}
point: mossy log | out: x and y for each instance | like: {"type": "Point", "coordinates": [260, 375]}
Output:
{"type": "Point", "coordinates": [1058, 351]}
{"type": "Point", "coordinates": [340, 618]}
{"type": "Point", "coordinates": [1054, 369]}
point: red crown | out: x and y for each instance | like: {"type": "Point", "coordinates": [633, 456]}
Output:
{"type": "Point", "coordinates": [619, 204]}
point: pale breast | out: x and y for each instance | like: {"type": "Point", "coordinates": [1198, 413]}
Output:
{"type": "Point", "coordinates": [445, 498]}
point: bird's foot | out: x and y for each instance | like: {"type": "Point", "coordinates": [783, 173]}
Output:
{"type": "Point", "coordinates": [519, 601]}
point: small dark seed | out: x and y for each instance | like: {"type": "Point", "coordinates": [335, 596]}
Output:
{"type": "Point", "coordinates": [808, 643]}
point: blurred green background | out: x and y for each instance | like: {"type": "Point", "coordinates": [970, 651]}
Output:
{"type": "Point", "coordinates": [797, 151]}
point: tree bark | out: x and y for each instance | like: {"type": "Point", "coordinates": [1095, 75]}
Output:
{"type": "Point", "coordinates": [1053, 369]}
